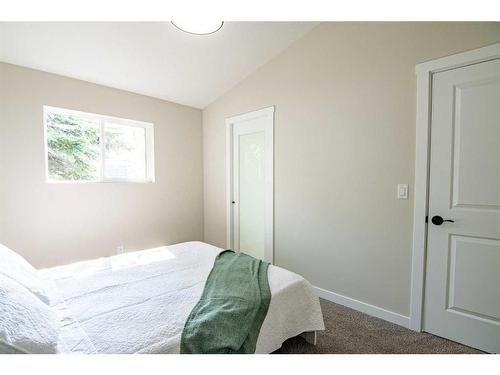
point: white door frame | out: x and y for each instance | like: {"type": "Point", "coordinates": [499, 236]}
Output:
{"type": "Point", "coordinates": [269, 193]}
{"type": "Point", "coordinates": [424, 72]}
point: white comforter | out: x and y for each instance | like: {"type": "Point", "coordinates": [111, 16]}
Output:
{"type": "Point", "coordinates": [138, 302]}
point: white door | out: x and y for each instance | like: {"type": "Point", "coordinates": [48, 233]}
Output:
{"type": "Point", "coordinates": [462, 286]}
{"type": "Point", "coordinates": [250, 171]}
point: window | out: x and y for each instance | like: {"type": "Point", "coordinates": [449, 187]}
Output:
{"type": "Point", "coordinates": [85, 147]}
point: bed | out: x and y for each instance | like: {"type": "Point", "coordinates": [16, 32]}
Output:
{"type": "Point", "coordinates": [138, 302]}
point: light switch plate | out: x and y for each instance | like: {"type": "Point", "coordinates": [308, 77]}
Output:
{"type": "Point", "coordinates": [402, 191]}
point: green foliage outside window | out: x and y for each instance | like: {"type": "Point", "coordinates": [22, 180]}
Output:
{"type": "Point", "coordinates": [73, 147]}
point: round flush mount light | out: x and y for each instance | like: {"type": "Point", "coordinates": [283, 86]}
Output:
{"type": "Point", "coordinates": [203, 27]}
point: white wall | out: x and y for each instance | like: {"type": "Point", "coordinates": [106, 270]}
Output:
{"type": "Point", "coordinates": [344, 138]}
{"type": "Point", "coordinates": [53, 224]}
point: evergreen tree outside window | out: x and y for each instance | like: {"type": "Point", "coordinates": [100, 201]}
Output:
{"type": "Point", "coordinates": [85, 147]}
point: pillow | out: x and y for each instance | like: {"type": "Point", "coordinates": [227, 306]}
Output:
{"type": "Point", "coordinates": [14, 266]}
{"type": "Point", "coordinates": [27, 325]}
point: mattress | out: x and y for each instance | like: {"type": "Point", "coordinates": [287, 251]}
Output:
{"type": "Point", "coordinates": [138, 302]}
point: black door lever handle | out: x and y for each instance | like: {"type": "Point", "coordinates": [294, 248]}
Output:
{"type": "Point", "coordinates": [438, 220]}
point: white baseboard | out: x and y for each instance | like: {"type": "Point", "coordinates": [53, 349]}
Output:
{"type": "Point", "coordinates": [366, 308]}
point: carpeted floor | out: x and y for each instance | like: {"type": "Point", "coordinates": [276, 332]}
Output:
{"type": "Point", "coordinates": [350, 331]}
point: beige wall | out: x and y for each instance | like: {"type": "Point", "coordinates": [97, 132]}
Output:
{"type": "Point", "coordinates": [53, 224]}
{"type": "Point", "coordinates": [344, 138]}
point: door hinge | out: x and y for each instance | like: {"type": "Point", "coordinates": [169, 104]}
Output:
{"type": "Point", "coordinates": [427, 219]}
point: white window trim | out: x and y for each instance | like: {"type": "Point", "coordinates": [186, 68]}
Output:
{"type": "Point", "coordinates": [149, 128]}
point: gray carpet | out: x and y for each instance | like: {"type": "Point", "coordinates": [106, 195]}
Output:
{"type": "Point", "coordinates": [350, 331]}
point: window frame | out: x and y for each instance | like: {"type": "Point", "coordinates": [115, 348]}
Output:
{"type": "Point", "coordinates": [102, 119]}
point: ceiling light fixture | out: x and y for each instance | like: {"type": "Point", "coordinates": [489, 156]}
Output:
{"type": "Point", "coordinates": [199, 27]}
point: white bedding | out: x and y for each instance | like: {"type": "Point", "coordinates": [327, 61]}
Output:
{"type": "Point", "coordinates": [138, 302]}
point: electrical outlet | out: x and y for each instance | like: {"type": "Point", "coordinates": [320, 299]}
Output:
{"type": "Point", "coordinates": [120, 249]}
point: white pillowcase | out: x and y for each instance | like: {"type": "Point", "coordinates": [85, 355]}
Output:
{"type": "Point", "coordinates": [27, 325]}
{"type": "Point", "coordinates": [15, 267]}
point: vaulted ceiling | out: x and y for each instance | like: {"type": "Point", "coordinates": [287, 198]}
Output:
{"type": "Point", "coordinates": [150, 58]}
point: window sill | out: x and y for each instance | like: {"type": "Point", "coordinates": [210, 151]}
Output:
{"type": "Point", "coordinates": [110, 181]}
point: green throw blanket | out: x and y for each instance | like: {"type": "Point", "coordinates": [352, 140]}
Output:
{"type": "Point", "coordinates": [232, 308]}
